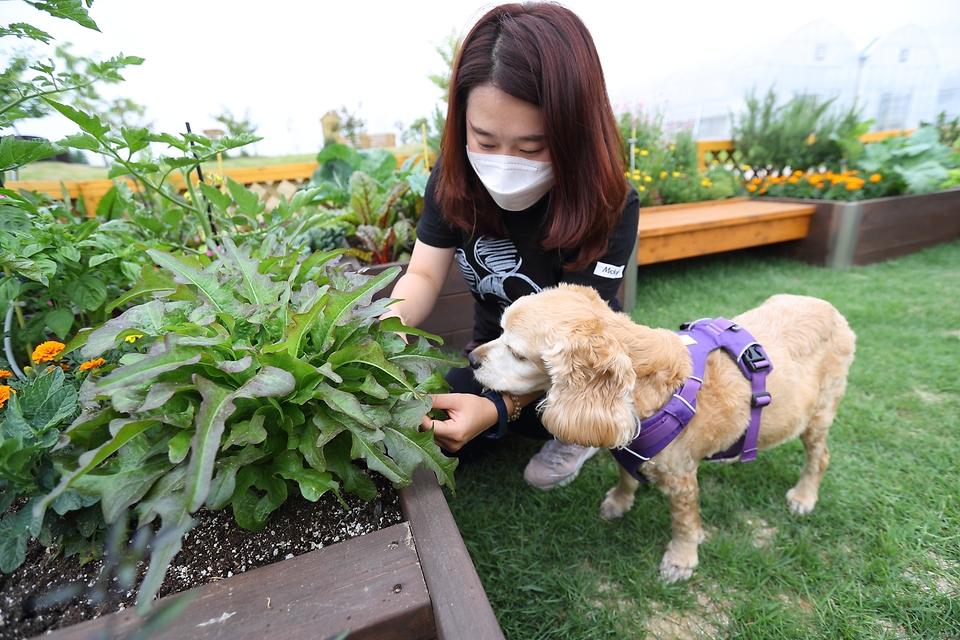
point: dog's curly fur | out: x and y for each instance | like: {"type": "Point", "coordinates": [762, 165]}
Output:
{"type": "Point", "coordinates": [601, 372]}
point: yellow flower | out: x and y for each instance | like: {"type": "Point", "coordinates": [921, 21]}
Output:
{"type": "Point", "coordinates": [187, 196]}
{"type": "Point", "coordinates": [626, 174]}
{"type": "Point", "coordinates": [133, 337]}
{"type": "Point", "coordinates": [644, 152]}
{"type": "Point", "coordinates": [746, 167]}
{"type": "Point", "coordinates": [676, 174]}
{"type": "Point", "coordinates": [48, 351]}
{"type": "Point", "coordinates": [663, 174]}
{"type": "Point", "coordinates": [876, 177]}
{"type": "Point", "coordinates": [635, 150]}
{"type": "Point", "coordinates": [647, 179]}
{"type": "Point", "coordinates": [672, 147]}
{"type": "Point", "coordinates": [706, 183]}
{"type": "Point", "coordinates": [92, 364]}
{"type": "Point", "coordinates": [4, 394]}
{"type": "Point", "coordinates": [642, 188]}
{"type": "Point", "coordinates": [5, 374]}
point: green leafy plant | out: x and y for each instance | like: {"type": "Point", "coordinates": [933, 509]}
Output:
{"type": "Point", "coordinates": [800, 134]}
{"type": "Point", "coordinates": [664, 167]}
{"type": "Point", "coordinates": [36, 410]}
{"type": "Point", "coordinates": [379, 203]}
{"type": "Point", "coordinates": [261, 372]}
{"type": "Point", "coordinates": [918, 161]}
{"type": "Point", "coordinates": [948, 130]}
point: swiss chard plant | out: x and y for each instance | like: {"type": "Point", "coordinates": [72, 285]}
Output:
{"type": "Point", "coordinates": [262, 372]}
{"type": "Point", "coordinates": [378, 202]}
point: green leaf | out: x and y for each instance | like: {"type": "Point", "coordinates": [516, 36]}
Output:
{"type": "Point", "coordinates": [89, 123]}
{"type": "Point", "coordinates": [337, 454]}
{"type": "Point", "coordinates": [219, 199]}
{"type": "Point", "coordinates": [118, 491]}
{"type": "Point", "coordinates": [410, 447]}
{"type": "Point", "coordinates": [60, 322]}
{"type": "Point", "coordinates": [223, 485]}
{"type": "Point", "coordinates": [87, 292]}
{"type": "Point", "coordinates": [345, 403]}
{"type": "Point", "coordinates": [15, 154]}
{"type": "Point", "coordinates": [256, 287]}
{"type": "Point", "coordinates": [208, 287]}
{"type": "Point", "coordinates": [122, 431]}
{"type": "Point", "coordinates": [151, 281]}
{"type": "Point", "coordinates": [371, 354]}
{"type": "Point", "coordinates": [298, 326]}
{"type": "Point", "coordinates": [14, 534]}
{"type": "Point", "coordinates": [313, 483]}
{"type": "Point", "coordinates": [149, 368]}
{"type": "Point", "coordinates": [216, 407]}
{"type": "Point", "coordinates": [248, 202]}
{"type": "Point", "coordinates": [146, 318]}
{"type": "Point", "coordinates": [179, 446]}
{"type": "Point", "coordinates": [341, 303]}
{"type": "Point", "coordinates": [68, 10]}
{"type": "Point", "coordinates": [365, 446]}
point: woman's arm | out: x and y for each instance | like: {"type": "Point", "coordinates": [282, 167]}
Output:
{"type": "Point", "coordinates": [420, 286]}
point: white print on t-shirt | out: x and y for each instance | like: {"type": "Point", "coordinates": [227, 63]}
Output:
{"type": "Point", "coordinates": [611, 271]}
{"type": "Point", "coordinates": [501, 261]}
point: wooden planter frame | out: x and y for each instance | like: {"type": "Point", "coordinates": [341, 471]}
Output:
{"type": "Point", "coordinates": [844, 234]}
{"type": "Point", "coordinates": [410, 581]}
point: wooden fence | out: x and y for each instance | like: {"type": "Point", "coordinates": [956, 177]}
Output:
{"type": "Point", "coordinates": [269, 182]}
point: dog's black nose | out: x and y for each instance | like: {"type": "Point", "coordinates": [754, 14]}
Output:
{"type": "Point", "coordinates": [475, 362]}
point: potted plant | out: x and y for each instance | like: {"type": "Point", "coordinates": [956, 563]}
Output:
{"type": "Point", "coordinates": [898, 200]}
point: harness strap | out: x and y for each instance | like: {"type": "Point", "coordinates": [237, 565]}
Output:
{"type": "Point", "coordinates": [659, 430]}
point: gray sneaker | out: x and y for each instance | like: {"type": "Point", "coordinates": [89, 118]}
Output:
{"type": "Point", "coordinates": [557, 464]}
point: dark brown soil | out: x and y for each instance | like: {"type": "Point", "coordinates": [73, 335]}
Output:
{"type": "Point", "coordinates": [50, 592]}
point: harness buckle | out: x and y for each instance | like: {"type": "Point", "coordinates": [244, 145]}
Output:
{"type": "Point", "coordinates": [761, 399]}
{"type": "Point", "coordinates": [755, 359]}
{"type": "Point", "coordinates": [686, 326]}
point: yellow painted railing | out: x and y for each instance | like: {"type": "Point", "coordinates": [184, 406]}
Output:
{"type": "Point", "coordinates": [270, 182]}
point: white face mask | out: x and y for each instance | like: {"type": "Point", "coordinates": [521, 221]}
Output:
{"type": "Point", "coordinates": [514, 183]}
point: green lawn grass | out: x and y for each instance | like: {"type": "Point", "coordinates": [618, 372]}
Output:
{"type": "Point", "coordinates": [878, 558]}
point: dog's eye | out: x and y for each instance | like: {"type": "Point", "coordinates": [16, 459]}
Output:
{"type": "Point", "coordinates": [517, 355]}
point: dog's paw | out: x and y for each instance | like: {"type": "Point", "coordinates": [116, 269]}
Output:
{"type": "Point", "coordinates": [614, 506]}
{"type": "Point", "coordinates": [797, 504]}
{"type": "Point", "coordinates": [672, 572]}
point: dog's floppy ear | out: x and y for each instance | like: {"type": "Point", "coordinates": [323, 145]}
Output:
{"type": "Point", "coordinates": [590, 401]}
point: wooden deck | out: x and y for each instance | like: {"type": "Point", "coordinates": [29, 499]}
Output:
{"type": "Point", "coordinates": [683, 231]}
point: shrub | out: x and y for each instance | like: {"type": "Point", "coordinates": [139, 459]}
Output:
{"type": "Point", "coordinates": [797, 135]}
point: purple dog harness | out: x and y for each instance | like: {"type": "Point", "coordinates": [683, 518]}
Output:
{"type": "Point", "coordinates": [702, 337]}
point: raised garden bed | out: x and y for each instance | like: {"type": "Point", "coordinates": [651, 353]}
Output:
{"type": "Point", "coordinates": [844, 234]}
{"type": "Point", "coordinates": [411, 580]}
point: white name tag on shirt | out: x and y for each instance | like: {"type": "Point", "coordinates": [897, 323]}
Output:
{"type": "Point", "coordinates": [605, 270]}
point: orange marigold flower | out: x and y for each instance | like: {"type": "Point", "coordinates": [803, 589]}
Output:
{"type": "Point", "coordinates": [853, 186]}
{"type": "Point", "coordinates": [5, 374]}
{"type": "Point", "coordinates": [751, 188]}
{"type": "Point", "coordinates": [793, 180]}
{"type": "Point", "coordinates": [92, 364]}
{"type": "Point", "coordinates": [876, 177]}
{"type": "Point", "coordinates": [4, 394]}
{"type": "Point", "coordinates": [48, 351]}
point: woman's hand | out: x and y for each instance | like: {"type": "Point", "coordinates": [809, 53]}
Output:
{"type": "Point", "coordinates": [469, 416]}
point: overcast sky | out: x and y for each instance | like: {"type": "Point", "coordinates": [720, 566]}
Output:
{"type": "Point", "coordinates": [291, 61]}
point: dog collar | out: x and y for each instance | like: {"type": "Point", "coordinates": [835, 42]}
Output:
{"type": "Point", "coordinates": [701, 337]}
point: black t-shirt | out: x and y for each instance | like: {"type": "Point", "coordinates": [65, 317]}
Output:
{"type": "Point", "coordinates": [501, 270]}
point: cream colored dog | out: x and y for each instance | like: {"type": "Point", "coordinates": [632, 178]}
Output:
{"type": "Point", "coordinates": [601, 373]}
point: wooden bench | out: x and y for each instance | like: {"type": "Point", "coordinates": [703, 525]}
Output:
{"type": "Point", "coordinates": [679, 231]}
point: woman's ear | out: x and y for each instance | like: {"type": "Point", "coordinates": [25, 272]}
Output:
{"type": "Point", "coordinates": [590, 401]}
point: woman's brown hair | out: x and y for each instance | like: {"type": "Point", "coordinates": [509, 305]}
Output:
{"type": "Point", "coordinates": [543, 54]}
